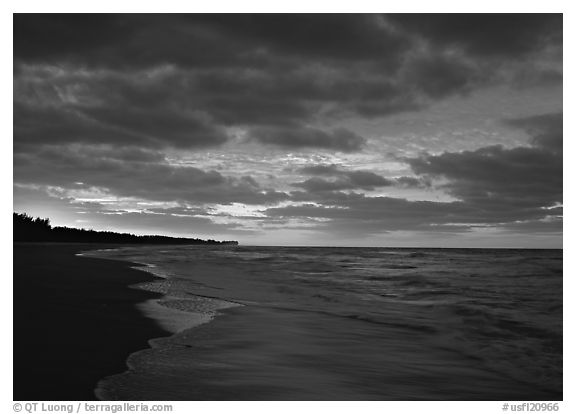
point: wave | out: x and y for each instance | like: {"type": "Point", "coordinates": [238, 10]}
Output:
{"type": "Point", "coordinates": [468, 303]}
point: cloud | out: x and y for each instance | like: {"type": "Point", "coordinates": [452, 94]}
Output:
{"type": "Point", "coordinates": [181, 78]}
{"type": "Point", "coordinates": [59, 105]}
{"type": "Point", "coordinates": [512, 189]}
{"type": "Point", "coordinates": [104, 99]}
{"type": "Point", "coordinates": [37, 125]}
{"type": "Point", "coordinates": [367, 182]}
{"type": "Point", "coordinates": [164, 107]}
{"type": "Point", "coordinates": [371, 215]}
{"type": "Point", "coordinates": [354, 213]}
{"type": "Point", "coordinates": [546, 130]}
{"type": "Point", "coordinates": [324, 36]}
{"type": "Point", "coordinates": [498, 178]}
{"type": "Point", "coordinates": [412, 182]}
{"type": "Point", "coordinates": [331, 169]}
{"type": "Point", "coordinates": [438, 76]}
{"type": "Point", "coordinates": [120, 40]}
{"type": "Point", "coordinates": [342, 179]}
{"type": "Point", "coordinates": [179, 39]}
{"type": "Point", "coordinates": [137, 174]}
{"type": "Point", "coordinates": [197, 39]}
{"type": "Point", "coordinates": [340, 139]}
{"type": "Point", "coordinates": [483, 34]}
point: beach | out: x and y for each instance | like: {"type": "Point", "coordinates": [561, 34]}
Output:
{"type": "Point", "coordinates": [75, 320]}
{"type": "Point", "coordinates": [250, 323]}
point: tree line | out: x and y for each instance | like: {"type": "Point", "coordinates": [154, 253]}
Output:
{"type": "Point", "coordinates": [30, 229]}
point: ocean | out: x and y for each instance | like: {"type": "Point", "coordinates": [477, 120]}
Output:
{"type": "Point", "coordinates": [320, 323]}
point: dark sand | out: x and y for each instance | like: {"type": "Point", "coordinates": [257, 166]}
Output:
{"type": "Point", "coordinates": [74, 320]}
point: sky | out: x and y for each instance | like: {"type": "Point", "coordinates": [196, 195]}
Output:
{"type": "Point", "coordinates": [343, 129]}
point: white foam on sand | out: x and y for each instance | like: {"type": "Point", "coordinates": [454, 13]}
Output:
{"type": "Point", "coordinates": [152, 269]}
{"type": "Point", "coordinates": [175, 314]}
{"type": "Point", "coordinates": [172, 312]}
{"type": "Point", "coordinates": [177, 310]}
{"type": "Point", "coordinates": [170, 319]}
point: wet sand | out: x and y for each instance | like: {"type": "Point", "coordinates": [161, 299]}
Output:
{"type": "Point", "coordinates": [75, 320]}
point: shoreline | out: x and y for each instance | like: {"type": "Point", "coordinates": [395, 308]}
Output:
{"type": "Point", "coordinates": [254, 352]}
{"type": "Point", "coordinates": [263, 352]}
{"type": "Point", "coordinates": [228, 358]}
{"type": "Point", "coordinates": [76, 319]}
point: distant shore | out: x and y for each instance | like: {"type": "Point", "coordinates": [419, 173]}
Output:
{"type": "Point", "coordinates": [74, 320]}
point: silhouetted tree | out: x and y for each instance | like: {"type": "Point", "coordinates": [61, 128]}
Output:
{"type": "Point", "coordinates": [29, 229]}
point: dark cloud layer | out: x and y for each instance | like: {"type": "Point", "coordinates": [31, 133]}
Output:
{"type": "Point", "coordinates": [36, 125]}
{"type": "Point", "coordinates": [517, 189]}
{"type": "Point", "coordinates": [340, 139]}
{"type": "Point", "coordinates": [341, 179]}
{"type": "Point", "coordinates": [146, 39]}
{"type": "Point", "coordinates": [358, 214]}
{"type": "Point", "coordinates": [99, 100]}
{"type": "Point", "coordinates": [498, 35]}
{"type": "Point", "coordinates": [136, 173]}
{"type": "Point", "coordinates": [178, 80]}
{"type": "Point", "coordinates": [95, 38]}
{"type": "Point", "coordinates": [546, 130]}
{"type": "Point", "coordinates": [505, 178]}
